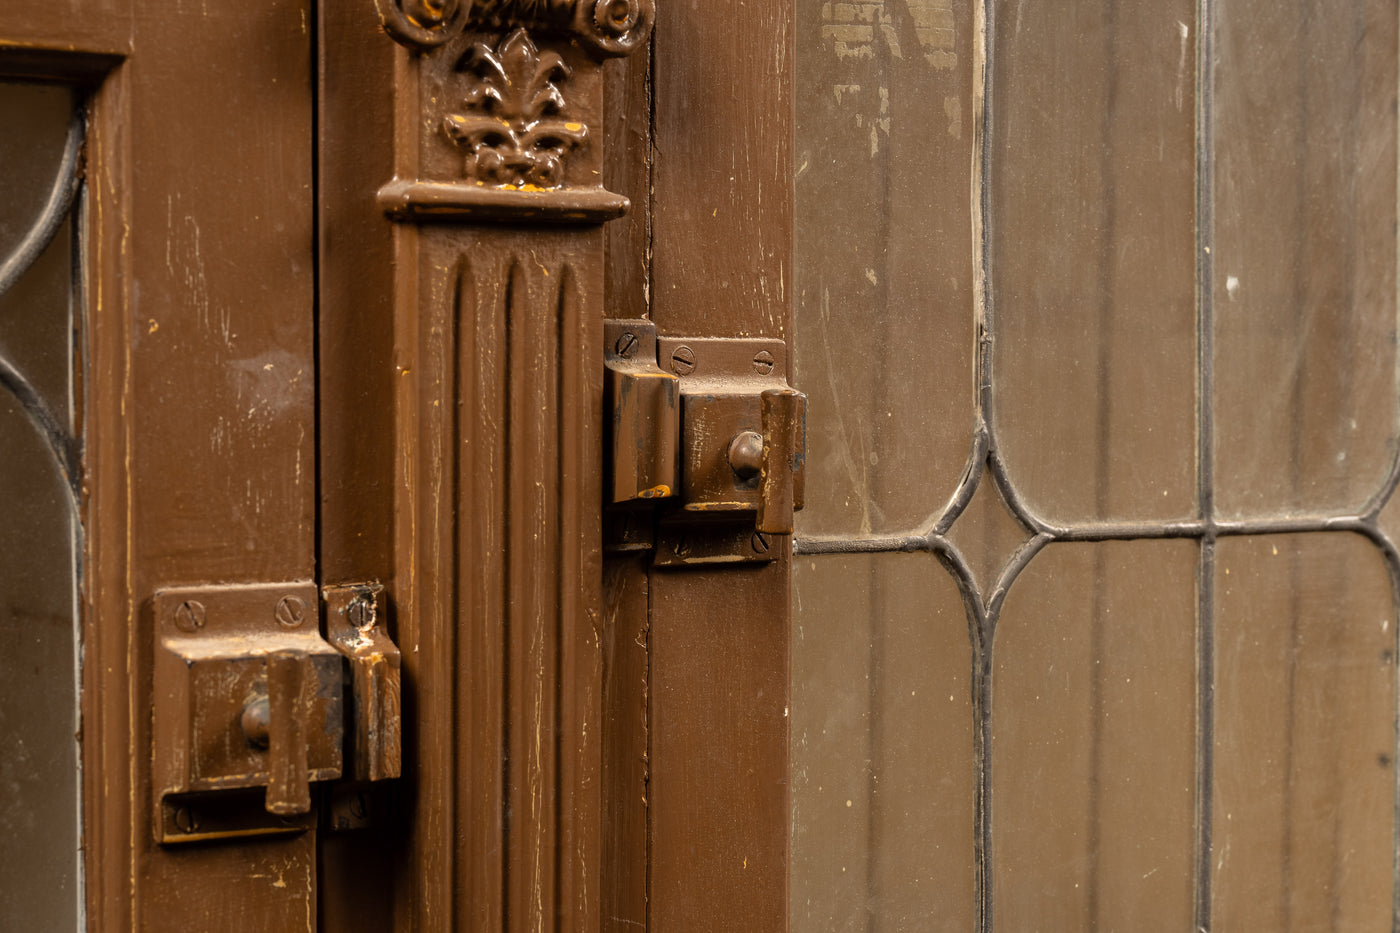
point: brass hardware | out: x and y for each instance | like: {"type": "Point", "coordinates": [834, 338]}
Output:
{"type": "Point", "coordinates": [643, 416]}
{"type": "Point", "coordinates": [742, 457]}
{"type": "Point", "coordinates": [355, 625]}
{"type": "Point", "coordinates": [746, 455]}
{"type": "Point", "coordinates": [783, 414]}
{"type": "Point", "coordinates": [249, 705]}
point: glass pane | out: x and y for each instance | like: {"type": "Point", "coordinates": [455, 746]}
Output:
{"type": "Point", "coordinates": [35, 120]}
{"type": "Point", "coordinates": [36, 326]}
{"type": "Point", "coordinates": [38, 696]}
{"type": "Point", "coordinates": [1304, 809]}
{"type": "Point", "coordinates": [883, 769]}
{"type": "Point", "coordinates": [1093, 740]}
{"type": "Point", "coordinates": [1304, 298]}
{"type": "Point", "coordinates": [1092, 283]}
{"type": "Point", "coordinates": [39, 539]}
{"type": "Point", "coordinates": [884, 335]}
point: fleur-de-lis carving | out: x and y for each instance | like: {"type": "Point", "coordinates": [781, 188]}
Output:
{"type": "Point", "coordinates": [514, 131]}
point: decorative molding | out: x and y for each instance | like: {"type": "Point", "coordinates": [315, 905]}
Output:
{"type": "Point", "coordinates": [507, 113]}
{"type": "Point", "coordinates": [514, 131]}
{"type": "Point", "coordinates": [608, 28]}
{"type": "Point", "coordinates": [427, 201]}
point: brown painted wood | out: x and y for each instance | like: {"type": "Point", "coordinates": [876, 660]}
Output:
{"type": "Point", "coordinates": [498, 596]}
{"type": "Point", "coordinates": [626, 594]}
{"type": "Point", "coordinates": [627, 170]}
{"type": "Point", "coordinates": [199, 434]}
{"type": "Point", "coordinates": [626, 765]}
{"type": "Point", "coordinates": [358, 870]}
{"type": "Point", "coordinates": [498, 439]}
{"type": "Point", "coordinates": [719, 749]}
{"type": "Point", "coordinates": [722, 204]}
{"type": "Point", "coordinates": [722, 266]}
{"type": "Point", "coordinates": [70, 28]}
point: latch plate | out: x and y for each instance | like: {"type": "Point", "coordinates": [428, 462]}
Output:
{"type": "Point", "coordinates": [734, 396]}
{"type": "Point", "coordinates": [224, 657]}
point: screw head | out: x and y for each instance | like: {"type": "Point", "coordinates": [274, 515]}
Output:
{"type": "Point", "coordinates": [189, 617]}
{"type": "Point", "coordinates": [291, 611]}
{"type": "Point", "coordinates": [185, 820]}
{"type": "Point", "coordinates": [683, 361]}
{"type": "Point", "coordinates": [682, 547]}
{"type": "Point", "coordinates": [760, 543]}
{"type": "Point", "coordinates": [626, 345]}
{"type": "Point", "coordinates": [361, 613]}
{"type": "Point", "coordinates": [763, 362]}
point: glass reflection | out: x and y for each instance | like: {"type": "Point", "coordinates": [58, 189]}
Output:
{"type": "Point", "coordinates": [40, 827]}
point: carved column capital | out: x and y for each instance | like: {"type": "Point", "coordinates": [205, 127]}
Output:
{"type": "Point", "coordinates": [606, 27]}
{"type": "Point", "coordinates": [510, 94]}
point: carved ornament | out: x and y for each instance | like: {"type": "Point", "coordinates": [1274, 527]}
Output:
{"type": "Point", "coordinates": [607, 27]}
{"type": "Point", "coordinates": [514, 131]}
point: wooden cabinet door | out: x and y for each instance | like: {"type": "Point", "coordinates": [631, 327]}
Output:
{"type": "Point", "coordinates": [193, 422]}
{"type": "Point", "coordinates": [1089, 618]}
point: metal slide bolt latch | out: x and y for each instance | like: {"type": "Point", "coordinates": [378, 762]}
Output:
{"type": "Point", "coordinates": [356, 627]}
{"type": "Point", "coordinates": [642, 404]}
{"type": "Point", "coordinates": [774, 456]}
{"type": "Point", "coordinates": [741, 451]}
{"type": "Point", "coordinates": [641, 414]}
{"type": "Point", "coordinates": [780, 484]}
{"type": "Point", "coordinates": [248, 710]}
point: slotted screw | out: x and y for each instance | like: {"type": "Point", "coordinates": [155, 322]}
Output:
{"type": "Point", "coordinates": [763, 362]}
{"type": "Point", "coordinates": [626, 345]}
{"type": "Point", "coordinates": [185, 820]}
{"type": "Point", "coordinates": [683, 361]}
{"type": "Point", "coordinates": [291, 610]}
{"type": "Point", "coordinates": [361, 613]}
{"type": "Point", "coordinates": [189, 617]}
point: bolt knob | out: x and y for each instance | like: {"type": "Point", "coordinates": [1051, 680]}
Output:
{"type": "Point", "coordinates": [746, 455]}
{"type": "Point", "coordinates": [257, 722]}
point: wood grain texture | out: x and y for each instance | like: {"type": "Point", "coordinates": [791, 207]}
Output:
{"type": "Point", "coordinates": [626, 673]}
{"type": "Point", "coordinates": [627, 170]}
{"type": "Point", "coordinates": [719, 794]}
{"type": "Point", "coordinates": [68, 27]}
{"type": "Point", "coordinates": [722, 203]}
{"type": "Point", "coordinates": [499, 593]}
{"type": "Point", "coordinates": [357, 377]}
{"type": "Point", "coordinates": [200, 420]}
{"type": "Point", "coordinates": [721, 267]}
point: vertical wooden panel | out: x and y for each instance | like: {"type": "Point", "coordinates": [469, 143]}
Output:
{"type": "Point", "coordinates": [358, 380]}
{"type": "Point", "coordinates": [222, 414]}
{"type": "Point", "coordinates": [722, 266]}
{"type": "Point", "coordinates": [722, 197]}
{"type": "Point", "coordinates": [627, 170]}
{"type": "Point", "coordinates": [626, 645]}
{"type": "Point", "coordinates": [498, 330]}
{"type": "Point", "coordinates": [201, 449]}
{"type": "Point", "coordinates": [719, 749]}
